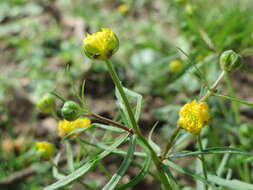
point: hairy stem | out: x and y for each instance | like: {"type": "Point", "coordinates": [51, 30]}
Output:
{"type": "Point", "coordinates": [213, 87]}
{"type": "Point", "coordinates": [136, 129]}
{"type": "Point", "coordinates": [110, 122]}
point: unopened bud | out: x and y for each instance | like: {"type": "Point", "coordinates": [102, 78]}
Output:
{"type": "Point", "coordinates": [70, 111]}
{"type": "Point", "coordinates": [230, 61]}
{"type": "Point", "coordinates": [46, 104]}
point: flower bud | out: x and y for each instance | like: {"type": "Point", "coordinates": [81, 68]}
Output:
{"type": "Point", "coordinates": [70, 111]}
{"type": "Point", "coordinates": [123, 9]}
{"type": "Point", "coordinates": [101, 45]}
{"type": "Point", "coordinates": [230, 61]}
{"type": "Point", "coordinates": [46, 104]}
{"type": "Point", "coordinates": [175, 66]}
{"type": "Point", "coordinates": [45, 150]}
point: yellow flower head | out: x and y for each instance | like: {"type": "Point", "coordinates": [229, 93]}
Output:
{"type": "Point", "coordinates": [45, 149]}
{"type": "Point", "coordinates": [123, 8]}
{"type": "Point", "coordinates": [65, 127]}
{"type": "Point", "coordinates": [175, 66]}
{"type": "Point", "coordinates": [193, 116]}
{"type": "Point", "coordinates": [101, 45]}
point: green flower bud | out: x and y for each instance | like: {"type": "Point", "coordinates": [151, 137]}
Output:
{"type": "Point", "coordinates": [46, 104]}
{"type": "Point", "coordinates": [101, 45]}
{"type": "Point", "coordinates": [230, 61]}
{"type": "Point", "coordinates": [70, 111]}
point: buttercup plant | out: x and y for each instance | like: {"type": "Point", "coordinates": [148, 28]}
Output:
{"type": "Point", "coordinates": [193, 116]}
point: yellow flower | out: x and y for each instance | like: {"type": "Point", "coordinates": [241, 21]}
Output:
{"type": "Point", "coordinates": [175, 66]}
{"type": "Point", "coordinates": [101, 45]}
{"type": "Point", "coordinates": [123, 8]}
{"type": "Point", "coordinates": [45, 149]}
{"type": "Point", "coordinates": [65, 127]}
{"type": "Point", "coordinates": [193, 116]}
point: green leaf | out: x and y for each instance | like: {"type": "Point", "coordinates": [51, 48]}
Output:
{"type": "Point", "coordinates": [138, 104]}
{"type": "Point", "coordinates": [116, 151]}
{"type": "Point", "coordinates": [140, 176]}
{"type": "Point", "coordinates": [155, 147]}
{"type": "Point", "coordinates": [108, 127]}
{"type": "Point", "coordinates": [123, 167]}
{"type": "Point", "coordinates": [70, 158]}
{"type": "Point", "coordinates": [231, 184]}
{"type": "Point", "coordinates": [56, 173]}
{"type": "Point", "coordinates": [186, 171]}
{"type": "Point", "coordinates": [172, 180]}
{"type": "Point", "coordinates": [222, 165]}
{"type": "Point", "coordinates": [213, 150]}
{"type": "Point", "coordinates": [87, 166]}
{"type": "Point", "coordinates": [233, 99]}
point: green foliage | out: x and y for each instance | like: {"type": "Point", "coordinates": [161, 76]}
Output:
{"type": "Point", "coordinates": [41, 50]}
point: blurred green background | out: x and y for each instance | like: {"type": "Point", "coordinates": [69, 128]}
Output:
{"type": "Point", "coordinates": [39, 38]}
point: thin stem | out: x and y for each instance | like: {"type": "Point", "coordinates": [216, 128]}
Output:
{"type": "Point", "coordinates": [110, 122]}
{"type": "Point", "coordinates": [136, 129]}
{"type": "Point", "coordinates": [202, 158]}
{"type": "Point", "coordinates": [168, 145]}
{"type": "Point", "coordinates": [213, 87]}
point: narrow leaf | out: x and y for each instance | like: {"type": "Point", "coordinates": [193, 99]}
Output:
{"type": "Point", "coordinates": [70, 158]}
{"type": "Point", "coordinates": [87, 166]}
{"type": "Point", "coordinates": [213, 150]}
{"type": "Point", "coordinates": [124, 166]}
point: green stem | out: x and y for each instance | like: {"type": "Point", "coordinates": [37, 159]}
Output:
{"type": "Point", "coordinates": [213, 87]}
{"type": "Point", "coordinates": [136, 129]}
{"type": "Point", "coordinates": [202, 158]}
{"type": "Point", "coordinates": [168, 145]}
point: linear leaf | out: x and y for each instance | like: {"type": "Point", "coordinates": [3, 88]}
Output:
{"type": "Point", "coordinates": [87, 166]}
{"type": "Point", "coordinates": [233, 184]}
{"type": "Point", "coordinates": [70, 158]}
{"type": "Point", "coordinates": [186, 171]}
{"type": "Point", "coordinates": [212, 150]}
{"type": "Point", "coordinates": [234, 99]}
{"type": "Point", "coordinates": [108, 127]}
{"type": "Point", "coordinates": [140, 176]}
{"type": "Point", "coordinates": [123, 167]}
